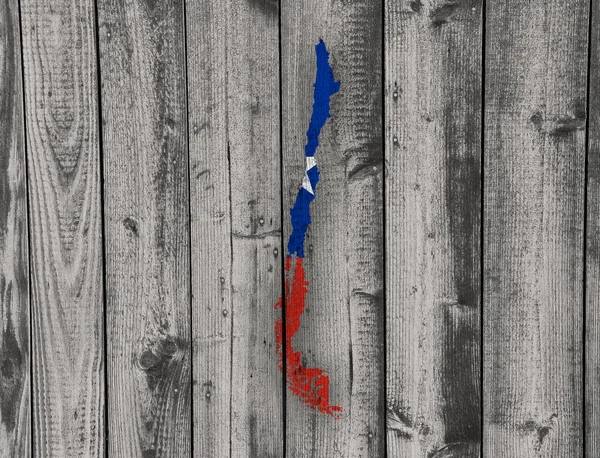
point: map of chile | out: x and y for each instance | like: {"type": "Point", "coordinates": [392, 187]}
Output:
{"type": "Point", "coordinates": [311, 385]}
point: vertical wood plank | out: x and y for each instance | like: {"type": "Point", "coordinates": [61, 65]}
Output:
{"type": "Point", "coordinates": [206, 28]}
{"type": "Point", "coordinates": [592, 329]}
{"type": "Point", "coordinates": [59, 57]}
{"type": "Point", "coordinates": [254, 153]}
{"type": "Point", "coordinates": [433, 88]}
{"type": "Point", "coordinates": [15, 409]}
{"type": "Point", "coordinates": [342, 328]}
{"type": "Point", "coordinates": [145, 146]}
{"type": "Point", "coordinates": [535, 113]}
{"type": "Point", "coordinates": [233, 68]}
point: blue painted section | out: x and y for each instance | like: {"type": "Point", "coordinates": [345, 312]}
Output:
{"type": "Point", "coordinates": [313, 176]}
{"type": "Point", "coordinates": [300, 220]}
{"type": "Point", "coordinates": [325, 86]}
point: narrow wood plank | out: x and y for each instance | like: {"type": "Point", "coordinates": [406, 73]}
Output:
{"type": "Point", "coordinates": [592, 329]}
{"type": "Point", "coordinates": [254, 153]}
{"type": "Point", "coordinates": [147, 227]}
{"type": "Point", "coordinates": [206, 28]}
{"type": "Point", "coordinates": [233, 68]}
{"type": "Point", "coordinates": [535, 113]}
{"type": "Point", "coordinates": [15, 409]}
{"type": "Point", "coordinates": [59, 57]}
{"type": "Point", "coordinates": [433, 88]}
{"type": "Point", "coordinates": [342, 328]}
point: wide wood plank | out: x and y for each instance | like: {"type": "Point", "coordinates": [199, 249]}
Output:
{"type": "Point", "coordinates": [592, 324]}
{"type": "Point", "coordinates": [433, 88]}
{"type": "Point", "coordinates": [342, 328]}
{"type": "Point", "coordinates": [15, 409]}
{"type": "Point", "coordinates": [233, 75]}
{"type": "Point", "coordinates": [145, 149]}
{"type": "Point", "coordinates": [535, 116]}
{"type": "Point", "coordinates": [59, 57]}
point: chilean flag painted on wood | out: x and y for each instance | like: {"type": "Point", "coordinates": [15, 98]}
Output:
{"type": "Point", "coordinates": [311, 385]}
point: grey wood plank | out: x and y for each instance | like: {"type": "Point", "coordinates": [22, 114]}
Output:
{"type": "Point", "coordinates": [210, 220]}
{"type": "Point", "coordinates": [342, 327]}
{"type": "Point", "coordinates": [145, 150]}
{"type": "Point", "coordinates": [233, 71]}
{"type": "Point", "coordinates": [254, 152]}
{"type": "Point", "coordinates": [433, 88]}
{"type": "Point", "coordinates": [535, 113]}
{"type": "Point", "coordinates": [233, 68]}
{"type": "Point", "coordinates": [15, 409]}
{"type": "Point", "coordinates": [592, 324]}
{"type": "Point", "coordinates": [61, 105]}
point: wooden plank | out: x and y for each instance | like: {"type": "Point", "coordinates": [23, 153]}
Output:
{"type": "Point", "coordinates": [535, 110]}
{"type": "Point", "coordinates": [342, 327]}
{"type": "Point", "coordinates": [210, 213]}
{"type": "Point", "coordinates": [433, 87]}
{"type": "Point", "coordinates": [15, 409]}
{"type": "Point", "coordinates": [145, 148]}
{"type": "Point", "coordinates": [233, 73]}
{"type": "Point", "coordinates": [592, 324]}
{"type": "Point", "coordinates": [63, 154]}
{"type": "Point", "coordinates": [254, 152]}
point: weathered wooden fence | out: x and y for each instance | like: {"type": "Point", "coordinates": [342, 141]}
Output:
{"type": "Point", "coordinates": [150, 152]}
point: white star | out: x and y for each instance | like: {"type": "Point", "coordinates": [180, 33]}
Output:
{"type": "Point", "coordinates": [306, 184]}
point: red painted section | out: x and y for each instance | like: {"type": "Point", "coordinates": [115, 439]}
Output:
{"type": "Point", "coordinates": [311, 385]}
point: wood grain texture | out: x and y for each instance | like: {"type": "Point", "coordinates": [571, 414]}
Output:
{"type": "Point", "coordinates": [206, 26]}
{"type": "Point", "coordinates": [433, 88]}
{"type": "Point", "coordinates": [15, 409]}
{"type": "Point", "coordinates": [592, 324]}
{"type": "Point", "coordinates": [145, 146]}
{"type": "Point", "coordinates": [342, 328]}
{"type": "Point", "coordinates": [254, 153]}
{"type": "Point", "coordinates": [535, 110]}
{"type": "Point", "coordinates": [66, 227]}
{"type": "Point", "coordinates": [233, 71]}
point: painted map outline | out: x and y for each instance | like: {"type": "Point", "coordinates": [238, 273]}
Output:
{"type": "Point", "coordinates": [311, 385]}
